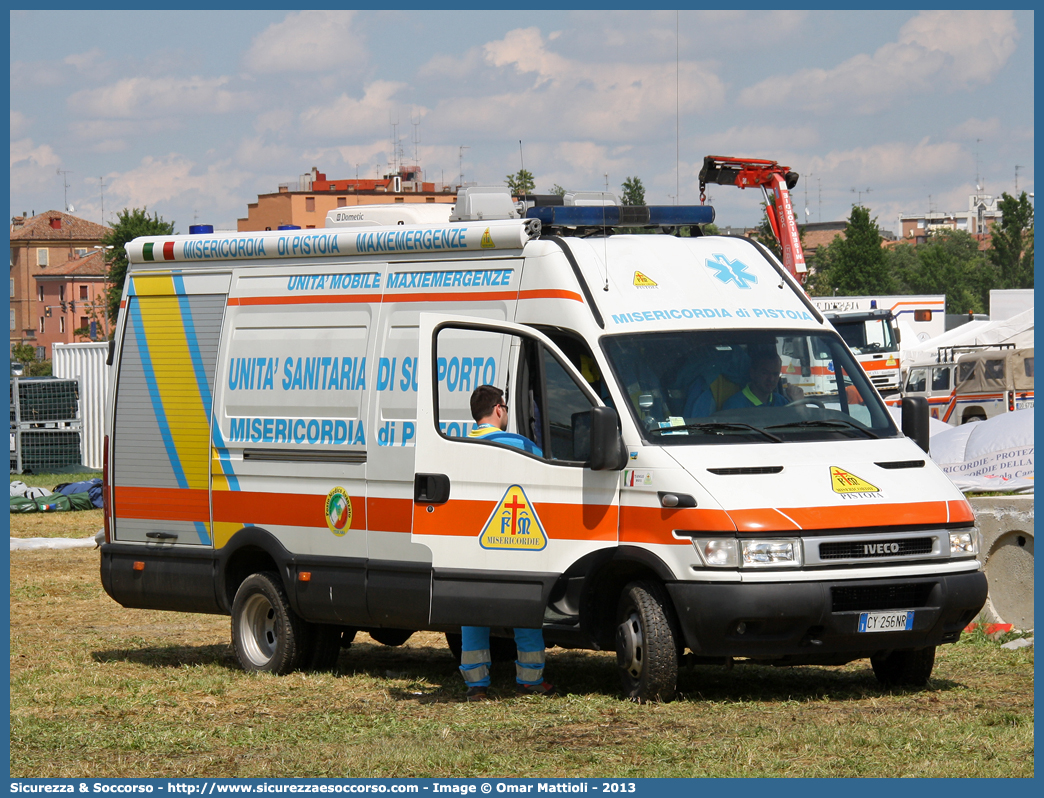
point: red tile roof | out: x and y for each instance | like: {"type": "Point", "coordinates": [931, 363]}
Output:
{"type": "Point", "coordinates": [38, 228]}
{"type": "Point", "coordinates": [92, 265]}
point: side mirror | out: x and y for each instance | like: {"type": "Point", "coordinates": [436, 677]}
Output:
{"type": "Point", "coordinates": [607, 447]}
{"type": "Point", "coordinates": [915, 420]}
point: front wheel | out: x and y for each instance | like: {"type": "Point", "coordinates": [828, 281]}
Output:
{"type": "Point", "coordinates": [267, 634]}
{"type": "Point", "coordinates": [905, 668]}
{"type": "Point", "coordinates": [646, 644]}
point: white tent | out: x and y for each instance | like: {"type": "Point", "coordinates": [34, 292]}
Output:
{"type": "Point", "coordinates": [1017, 330]}
{"type": "Point", "coordinates": [988, 455]}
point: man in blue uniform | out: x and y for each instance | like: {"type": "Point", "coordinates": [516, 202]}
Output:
{"type": "Point", "coordinates": [491, 414]}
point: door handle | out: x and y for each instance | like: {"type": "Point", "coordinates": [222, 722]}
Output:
{"type": "Point", "coordinates": [431, 488]}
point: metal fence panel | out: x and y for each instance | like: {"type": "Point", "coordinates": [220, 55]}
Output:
{"type": "Point", "coordinates": [86, 363]}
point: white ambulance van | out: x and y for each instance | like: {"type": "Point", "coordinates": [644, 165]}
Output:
{"type": "Point", "coordinates": [287, 443]}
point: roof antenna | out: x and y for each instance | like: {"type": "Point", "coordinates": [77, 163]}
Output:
{"type": "Point", "coordinates": [522, 176]}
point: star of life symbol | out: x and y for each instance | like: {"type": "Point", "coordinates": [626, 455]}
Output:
{"type": "Point", "coordinates": [729, 271]}
{"type": "Point", "coordinates": [513, 524]}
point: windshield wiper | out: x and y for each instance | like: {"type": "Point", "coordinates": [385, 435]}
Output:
{"type": "Point", "coordinates": [713, 426]}
{"type": "Point", "coordinates": [826, 423]}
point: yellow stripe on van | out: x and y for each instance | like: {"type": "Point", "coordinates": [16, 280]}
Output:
{"type": "Point", "coordinates": [175, 377]}
{"type": "Point", "coordinates": [153, 285]}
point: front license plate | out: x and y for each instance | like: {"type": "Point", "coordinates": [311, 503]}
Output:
{"type": "Point", "coordinates": [886, 621]}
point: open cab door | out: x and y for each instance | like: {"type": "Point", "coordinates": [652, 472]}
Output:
{"type": "Point", "coordinates": [503, 523]}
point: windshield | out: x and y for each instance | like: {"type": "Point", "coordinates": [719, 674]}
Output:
{"type": "Point", "coordinates": [742, 386]}
{"type": "Point", "coordinates": [869, 336]}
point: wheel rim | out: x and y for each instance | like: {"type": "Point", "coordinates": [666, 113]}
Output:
{"type": "Point", "coordinates": [257, 630]}
{"type": "Point", "coordinates": [630, 645]}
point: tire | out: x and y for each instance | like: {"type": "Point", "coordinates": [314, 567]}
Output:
{"type": "Point", "coordinates": [904, 668]}
{"type": "Point", "coordinates": [391, 637]}
{"type": "Point", "coordinates": [646, 643]}
{"type": "Point", "coordinates": [324, 647]}
{"type": "Point", "coordinates": [970, 419]}
{"type": "Point", "coordinates": [267, 634]}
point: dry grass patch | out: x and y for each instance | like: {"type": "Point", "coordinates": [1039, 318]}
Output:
{"type": "Point", "coordinates": [100, 691]}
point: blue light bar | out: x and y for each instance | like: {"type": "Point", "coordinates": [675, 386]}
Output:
{"type": "Point", "coordinates": [621, 216]}
{"type": "Point", "coordinates": [200, 229]}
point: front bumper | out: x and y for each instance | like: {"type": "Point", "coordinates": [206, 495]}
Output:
{"type": "Point", "coordinates": [816, 622]}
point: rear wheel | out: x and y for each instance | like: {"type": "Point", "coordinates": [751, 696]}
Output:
{"type": "Point", "coordinates": [646, 643]}
{"type": "Point", "coordinates": [267, 634]}
{"type": "Point", "coordinates": [325, 647]}
{"type": "Point", "coordinates": [905, 668]}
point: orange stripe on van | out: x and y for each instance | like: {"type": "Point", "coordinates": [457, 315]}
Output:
{"type": "Point", "coordinates": [390, 515]}
{"type": "Point", "coordinates": [468, 517]}
{"type": "Point", "coordinates": [161, 504]}
{"type": "Point", "coordinates": [476, 296]}
{"type": "Point", "coordinates": [961, 512]}
{"type": "Point", "coordinates": [280, 509]}
{"type": "Point", "coordinates": [854, 516]}
{"type": "Point", "coordinates": [656, 524]}
{"type": "Point", "coordinates": [765, 519]}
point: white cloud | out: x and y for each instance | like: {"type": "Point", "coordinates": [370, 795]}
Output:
{"type": "Point", "coordinates": [308, 41]}
{"type": "Point", "coordinates": [31, 166]}
{"type": "Point", "coordinates": [935, 51]}
{"type": "Point", "coordinates": [19, 123]}
{"type": "Point", "coordinates": [978, 128]}
{"type": "Point", "coordinates": [753, 140]}
{"type": "Point", "coordinates": [133, 98]}
{"type": "Point", "coordinates": [891, 164]}
{"type": "Point", "coordinates": [174, 179]}
{"type": "Point", "coordinates": [346, 116]}
{"type": "Point", "coordinates": [570, 99]}
{"type": "Point", "coordinates": [89, 61]}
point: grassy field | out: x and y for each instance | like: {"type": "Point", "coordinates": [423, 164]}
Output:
{"type": "Point", "coordinates": [100, 691]}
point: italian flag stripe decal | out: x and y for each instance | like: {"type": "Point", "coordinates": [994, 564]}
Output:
{"type": "Point", "coordinates": [168, 250]}
{"type": "Point", "coordinates": [146, 252]}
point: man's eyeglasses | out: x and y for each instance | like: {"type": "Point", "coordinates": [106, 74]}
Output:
{"type": "Point", "coordinates": [503, 406]}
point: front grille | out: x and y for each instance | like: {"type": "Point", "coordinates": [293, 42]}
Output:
{"type": "Point", "coordinates": [865, 598]}
{"type": "Point", "coordinates": [858, 549]}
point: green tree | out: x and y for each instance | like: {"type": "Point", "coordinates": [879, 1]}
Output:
{"type": "Point", "coordinates": [949, 263]}
{"type": "Point", "coordinates": [710, 229]}
{"type": "Point", "coordinates": [521, 183]}
{"type": "Point", "coordinates": [130, 224]}
{"type": "Point", "coordinates": [633, 191]}
{"type": "Point", "coordinates": [763, 232]}
{"type": "Point", "coordinates": [557, 189]}
{"type": "Point", "coordinates": [31, 367]}
{"type": "Point", "coordinates": [1011, 249]}
{"type": "Point", "coordinates": [856, 264]}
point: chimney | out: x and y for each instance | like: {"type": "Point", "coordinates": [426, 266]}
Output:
{"type": "Point", "coordinates": [56, 222]}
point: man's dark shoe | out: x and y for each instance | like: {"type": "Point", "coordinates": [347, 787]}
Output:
{"type": "Point", "coordinates": [476, 694]}
{"type": "Point", "coordinates": [545, 688]}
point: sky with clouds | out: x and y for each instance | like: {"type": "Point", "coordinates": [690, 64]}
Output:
{"type": "Point", "coordinates": [193, 114]}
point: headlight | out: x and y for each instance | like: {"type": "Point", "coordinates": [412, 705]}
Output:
{"type": "Point", "coordinates": [717, 553]}
{"type": "Point", "coordinates": [769, 553]}
{"type": "Point", "coordinates": [964, 544]}
{"type": "Point", "coordinates": [732, 553]}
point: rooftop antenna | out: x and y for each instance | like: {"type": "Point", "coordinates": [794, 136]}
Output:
{"type": "Point", "coordinates": [677, 108]}
{"type": "Point", "coordinates": [460, 162]}
{"type": "Point", "coordinates": [978, 182]}
{"type": "Point", "coordinates": [101, 188]}
{"type": "Point", "coordinates": [65, 183]}
{"type": "Point", "coordinates": [1017, 168]}
{"type": "Point", "coordinates": [860, 193]}
{"type": "Point", "coordinates": [395, 144]}
{"type": "Point", "coordinates": [416, 140]}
